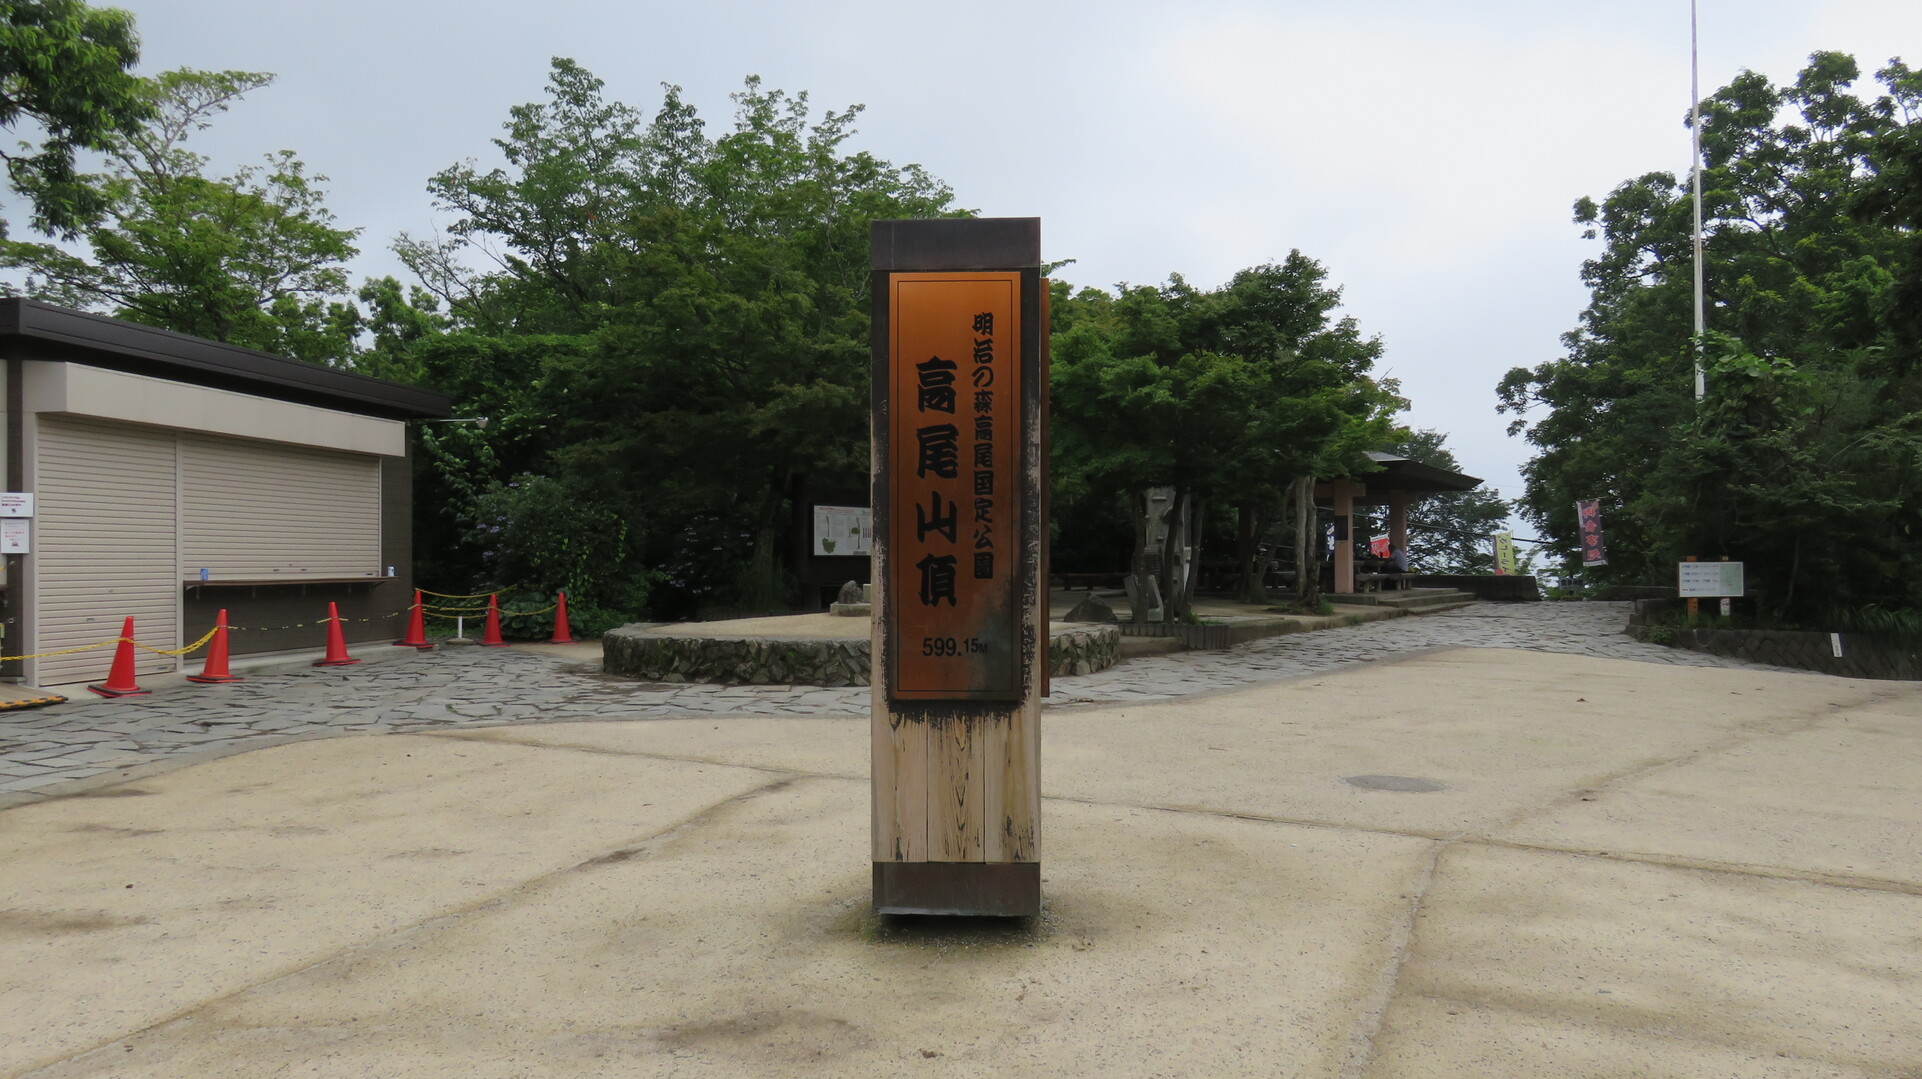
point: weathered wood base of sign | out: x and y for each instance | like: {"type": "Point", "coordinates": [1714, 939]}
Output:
{"type": "Point", "coordinates": [994, 889]}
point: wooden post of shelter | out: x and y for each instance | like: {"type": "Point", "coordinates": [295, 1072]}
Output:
{"type": "Point", "coordinates": [1344, 492]}
{"type": "Point", "coordinates": [960, 627]}
{"type": "Point", "coordinates": [1398, 520]}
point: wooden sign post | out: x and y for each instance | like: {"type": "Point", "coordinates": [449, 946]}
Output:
{"type": "Point", "coordinates": [960, 628]}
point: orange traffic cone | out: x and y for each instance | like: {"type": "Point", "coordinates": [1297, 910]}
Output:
{"type": "Point", "coordinates": [491, 636]}
{"type": "Point", "coordinates": [336, 642]}
{"type": "Point", "coordinates": [215, 669]}
{"type": "Point", "coordinates": [561, 634]}
{"type": "Point", "coordinates": [120, 681]}
{"type": "Point", "coordinates": [416, 629]}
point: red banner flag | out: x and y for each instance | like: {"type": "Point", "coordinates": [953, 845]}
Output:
{"type": "Point", "coordinates": [1588, 515]}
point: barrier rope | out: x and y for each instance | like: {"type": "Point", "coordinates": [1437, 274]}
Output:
{"type": "Point", "coordinates": [111, 641]}
{"type": "Point", "coordinates": [429, 610]}
{"type": "Point", "coordinates": [176, 651]}
{"type": "Point", "coordinates": [64, 651]}
{"type": "Point", "coordinates": [441, 612]}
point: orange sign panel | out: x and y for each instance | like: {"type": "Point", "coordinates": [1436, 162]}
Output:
{"type": "Point", "coordinates": [954, 459]}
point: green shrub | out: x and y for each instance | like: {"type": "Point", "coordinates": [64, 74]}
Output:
{"type": "Point", "coordinates": [540, 536]}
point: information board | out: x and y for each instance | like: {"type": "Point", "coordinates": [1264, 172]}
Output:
{"type": "Point", "coordinates": [1698, 580]}
{"type": "Point", "coordinates": [843, 530]}
{"type": "Point", "coordinates": [955, 437]}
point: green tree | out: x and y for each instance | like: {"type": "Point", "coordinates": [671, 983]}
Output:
{"type": "Point", "coordinates": [1802, 269]}
{"type": "Point", "coordinates": [65, 69]}
{"type": "Point", "coordinates": [703, 302]}
{"type": "Point", "coordinates": [252, 258]}
{"type": "Point", "coordinates": [1230, 397]}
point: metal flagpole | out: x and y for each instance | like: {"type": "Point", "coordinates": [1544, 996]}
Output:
{"type": "Point", "coordinates": [1695, 130]}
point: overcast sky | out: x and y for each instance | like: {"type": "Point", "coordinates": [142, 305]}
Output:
{"type": "Point", "coordinates": [1426, 153]}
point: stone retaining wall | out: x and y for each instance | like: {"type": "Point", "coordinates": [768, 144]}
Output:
{"type": "Point", "coordinates": [1486, 586]}
{"type": "Point", "coordinates": [639, 651]}
{"type": "Point", "coordinates": [1863, 655]}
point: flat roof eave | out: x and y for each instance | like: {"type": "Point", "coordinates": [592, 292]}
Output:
{"type": "Point", "coordinates": [79, 337]}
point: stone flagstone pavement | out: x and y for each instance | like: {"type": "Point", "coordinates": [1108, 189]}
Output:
{"type": "Point", "coordinates": [43, 750]}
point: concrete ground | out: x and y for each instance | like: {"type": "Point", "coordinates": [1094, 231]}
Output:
{"type": "Point", "coordinates": [1611, 867]}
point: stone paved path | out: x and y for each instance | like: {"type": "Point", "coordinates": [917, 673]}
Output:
{"type": "Point", "coordinates": [41, 749]}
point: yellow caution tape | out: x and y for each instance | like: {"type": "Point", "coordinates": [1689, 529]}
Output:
{"type": "Point", "coordinates": [111, 641]}
{"type": "Point", "coordinates": [178, 651]}
{"type": "Point", "coordinates": [430, 611]}
{"type": "Point", "coordinates": [64, 651]}
{"type": "Point", "coordinates": [442, 612]}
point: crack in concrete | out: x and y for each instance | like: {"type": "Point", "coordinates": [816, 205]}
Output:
{"type": "Point", "coordinates": [1373, 1009]}
{"type": "Point", "coordinates": [1482, 838]}
{"type": "Point", "coordinates": [1742, 735]}
{"type": "Point", "coordinates": [423, 925]}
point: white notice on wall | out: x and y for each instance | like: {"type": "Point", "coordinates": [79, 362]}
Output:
{"type": "Point", "coordinates": [843, 530]}
{"type": "Point", "coordinates": [14, 532]}
{"type": "Point", "coordinates": [16, 503]}
{"type": "Point", "coordinates": [1709, 579]}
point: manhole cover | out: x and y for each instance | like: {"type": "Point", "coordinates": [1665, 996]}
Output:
{"type": "Point", "coordinates": [1394, 783]}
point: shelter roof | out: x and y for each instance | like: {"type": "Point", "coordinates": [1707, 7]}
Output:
{"type": "Point", "coordinates": [1405, 475]}
{"type": "Point", "coordinates": [34, 330]}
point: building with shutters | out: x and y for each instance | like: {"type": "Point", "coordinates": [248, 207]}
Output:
{"type": "Point", "coordinates": [173, 476]}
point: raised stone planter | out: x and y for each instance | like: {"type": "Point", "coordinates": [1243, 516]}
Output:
{"type": "Point", "coordinates": [646, 652]}
{"type": "Point", "coordinates": [640, 652]}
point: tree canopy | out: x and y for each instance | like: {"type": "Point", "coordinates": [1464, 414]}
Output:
{"type": "Point", "coordinates": [1230, 397]}
{"type": "Point", "coordinates": [1805, 458]}
{"type": "Point", "coordinates": [65, 70]}
{"type": "Point", "coordinates": [251, 258]}
{"type": "Point", "coordinates": [669, 326]}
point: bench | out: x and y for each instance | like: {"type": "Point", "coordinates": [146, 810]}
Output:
{"type": "Point", "coordinates": [1372, 582]}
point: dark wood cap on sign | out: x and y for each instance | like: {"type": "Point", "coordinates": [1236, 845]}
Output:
{"type": "Point", "coordinates": [956, 243]}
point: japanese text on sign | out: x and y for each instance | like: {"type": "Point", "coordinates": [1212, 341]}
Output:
{"type": "Point", "coordinates": [1709, 579]}
{"type": "Point", "coordinates": [955, 393]}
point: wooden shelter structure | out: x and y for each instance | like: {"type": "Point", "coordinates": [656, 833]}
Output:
{"type": "Point", "coordinates": [1400, 483]}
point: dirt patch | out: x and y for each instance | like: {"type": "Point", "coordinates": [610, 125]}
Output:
{"type": "Point", "coordinates": [55, 922]}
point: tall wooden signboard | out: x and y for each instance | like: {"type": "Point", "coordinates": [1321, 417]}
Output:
{"type": "Point", "coordinates": [960, 633]}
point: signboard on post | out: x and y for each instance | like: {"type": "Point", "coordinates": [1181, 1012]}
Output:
{"type": "Point", "coordinates": [956, 430]}
{"type": "Point", "coordinates": [960, 633]}
{"type": "Point", "coordinates": [1705, 580]}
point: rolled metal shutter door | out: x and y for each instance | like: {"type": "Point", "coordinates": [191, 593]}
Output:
{"type": "Point", "coordinates": [264, 510]}
{"type": "Point", "coordinates": [103, 546]}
